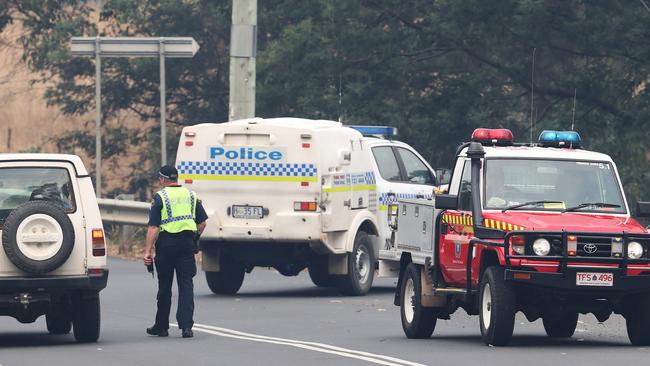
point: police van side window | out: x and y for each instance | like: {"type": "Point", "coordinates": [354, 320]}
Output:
{"type": "Point", "coordinates": [416, 171]}
{"type": "Point", "coordinates": [465, 191]}
{"type": "Point", "coordinates": [387, 163]}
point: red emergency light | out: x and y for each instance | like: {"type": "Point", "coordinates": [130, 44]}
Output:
{"type": "Point", "coordinates": [493, 136]}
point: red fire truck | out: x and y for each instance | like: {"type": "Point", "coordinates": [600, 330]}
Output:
{"type": "Point", "coordinates": [542, 228]}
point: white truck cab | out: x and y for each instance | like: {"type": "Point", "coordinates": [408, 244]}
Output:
{"type": "Point", "coordinates": [293, 193]}
{"type": "Point", "coordinates": [53, 257]}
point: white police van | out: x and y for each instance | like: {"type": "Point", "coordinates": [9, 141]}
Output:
{"type": "Point", "coordinates": [294, 193]}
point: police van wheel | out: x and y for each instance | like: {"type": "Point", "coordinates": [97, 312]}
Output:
{"type": "Point", "coordinates": [318, 272]}
{"type": "Point", "coordinates": [638, 322]}
{"type": "Point", "coordinates": [361, 268]}
{"type": "Point", "coordinates": [497, 308]}
{"type": "Point", "coordinates": [560, 326]}
{"type": "Point", "coordinates": [38, 237]}
{"type": "Point", "coordinates": [227, 281]}
{"type": "Point", "coordinates": [417, 321]}
{"type": "Point", "coordinates": [86, 318]}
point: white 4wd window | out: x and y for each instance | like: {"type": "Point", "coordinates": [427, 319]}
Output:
{"type": "Point", "coordinates": [20, 185]}
{"type": "Point", "coordinates": [397, 164]}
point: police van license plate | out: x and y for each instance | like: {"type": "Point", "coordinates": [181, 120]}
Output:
{"type": "Point", "coordinates": [603, 279]}
{"type": "Point", "coordinates": [247, 212]}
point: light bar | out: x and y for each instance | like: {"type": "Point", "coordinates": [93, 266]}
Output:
{"type": "Point", "coordinates": [493, 136]}
{"type": "Point", "coordinates": [560, 138]}
{"type": "Point", "coordinates": [381, 131]}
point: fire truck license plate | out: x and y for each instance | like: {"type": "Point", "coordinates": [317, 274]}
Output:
{"type": "Point", "coordinates": [595, 279]}
{"type": "Point", "coordinates": [247, 212]}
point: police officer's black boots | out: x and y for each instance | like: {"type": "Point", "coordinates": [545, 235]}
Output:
{"type": "Point", "coordinates": [187, 333]}
{"type": "Point", "coordinates": [157, 331]}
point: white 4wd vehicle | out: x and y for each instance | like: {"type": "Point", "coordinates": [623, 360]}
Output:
{"type": "Point", "coordinates": [53, 257]}
{"type": "Point", "coordinates": [292, 193]}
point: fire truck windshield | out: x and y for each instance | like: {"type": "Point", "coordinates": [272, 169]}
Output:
{"type": "Point", "coordinates": [554, 185]}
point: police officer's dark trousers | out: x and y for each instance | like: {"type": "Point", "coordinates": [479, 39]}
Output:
{"type": "Point", "coordinates": [175, 252]}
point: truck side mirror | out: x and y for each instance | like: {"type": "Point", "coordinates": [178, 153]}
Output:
{"type": "Point", "coordinates": [446, 201]}
{"type": "Point", "coordinates": [643, 209]}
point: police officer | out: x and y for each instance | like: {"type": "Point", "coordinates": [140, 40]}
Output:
{"type": "Point", "coordinates": [176, 219]}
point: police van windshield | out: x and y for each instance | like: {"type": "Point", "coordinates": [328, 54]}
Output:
{"type": "Point", "coordinates": [20, 185]}
{"type": "Point", "coordinates": [562, 184]}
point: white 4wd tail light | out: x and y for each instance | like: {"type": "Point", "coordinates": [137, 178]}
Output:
{"type": "Point", "coordinates": [99, 244]}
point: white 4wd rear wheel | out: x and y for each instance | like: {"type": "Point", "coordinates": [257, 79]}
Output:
{"type": "Point", "coordinates": [417, 321]}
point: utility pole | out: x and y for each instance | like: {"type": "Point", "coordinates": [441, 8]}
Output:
{"type": "Point", "coordinates": [243, 51]}
{"type": "Point", "coordinates": [98, 117]}
{"type": "Point", "coordinates": [9, 139]}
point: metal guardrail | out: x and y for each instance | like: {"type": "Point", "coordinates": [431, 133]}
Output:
{"type": "Point", "coordinates": [124, 211]}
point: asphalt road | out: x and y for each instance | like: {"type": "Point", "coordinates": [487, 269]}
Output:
{"type": "Point", "coordinates": [276, 320]}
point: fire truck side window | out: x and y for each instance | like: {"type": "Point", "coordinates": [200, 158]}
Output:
{"type": "Point", "coordinates": [465, 191]}
{"type": "Point", "coordinates": [387, 163]}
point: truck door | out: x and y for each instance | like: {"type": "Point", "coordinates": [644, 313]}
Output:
{"type": "Point", "coordinates": [403, 174]}
{"type": "Point", "coordinates": [455, 240]}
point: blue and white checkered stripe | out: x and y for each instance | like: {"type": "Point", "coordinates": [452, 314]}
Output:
{"type": "Point", "coordinates": [249, 169]}
{"type": "Point", "coordinates": [170, 218]}
{"type": "Point", "coordinates": [370, 178]}
{"type": "Point", "coordinates": [385, 199]}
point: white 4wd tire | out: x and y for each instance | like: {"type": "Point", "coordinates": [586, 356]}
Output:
{"type": "Point", "coordinates": [38, 237]}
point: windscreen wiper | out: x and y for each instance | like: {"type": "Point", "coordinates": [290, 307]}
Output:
{"type": "Point", "coordinates": [530, 203]}
{"type": "Point", "coordinates": [590, 204]}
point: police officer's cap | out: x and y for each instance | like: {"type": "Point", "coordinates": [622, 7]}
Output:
{"type": "Point", "coordinates": [168, 172]}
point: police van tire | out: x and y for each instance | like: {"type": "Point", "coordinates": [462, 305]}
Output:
{"type": "Point", "coordinates": [318, 272]}
{"type": "Point", "coordinates": [38, 218]}
{"type": "Point", "coordinates": [58, 320]}
{"type": "Point", "coordinates": [560, 326]}
{"type": "Point", "coordinates": [638, 322]}
{"type": "Point", "coordinates": [361, 268]}
{"type": "Point", "coordinates": [497, 308]}
{"type": "Point", "coordinates": [86, 318]}
{"type": "Point", "coordinates": [227, 281]}
{"type": "Point", "coordinates": [418, 322]}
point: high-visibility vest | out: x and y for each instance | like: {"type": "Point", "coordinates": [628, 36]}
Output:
{"type": "Point", "coordinates": [178, 209]}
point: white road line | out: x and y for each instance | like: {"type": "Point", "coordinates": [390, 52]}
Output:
{"type": "Point", "coordinates": [312, 346]}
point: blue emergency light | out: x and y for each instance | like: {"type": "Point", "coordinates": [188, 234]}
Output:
{"type": "Point", "coordinates": [569, 139]}
{"type": "Point", "coordinates": [381, 131]}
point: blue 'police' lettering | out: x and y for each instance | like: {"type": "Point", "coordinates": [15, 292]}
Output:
{"type": "Point", "coordinates": [244, 153]}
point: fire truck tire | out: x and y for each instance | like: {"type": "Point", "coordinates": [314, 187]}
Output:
{"type": "Point", "coordinates": [562, 326]}
{"type": "Point", "coordinates": [227, 281]}
{"type": "Point", "coordinates": [318, 273]}
{"type": "Point", "coordinates": [417, 321]}
{"type": "Point", "coordinates": [638, 323]}
{"type": "Point", "coordinates": [497, 308]}
{"type": "Point", "coordinates": [58, 319]}
{"type": "Point", "coordinates": [33, 220]}
{"type": "Point", "coordinates": [86, 318]}
{"type": "Point", "coordinates": [361, 268]}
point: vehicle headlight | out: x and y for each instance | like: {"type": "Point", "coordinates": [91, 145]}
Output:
{"type": "Point", "coordinates": [541, 247]}
{"type": "Point", "coordinates": [634, 250]}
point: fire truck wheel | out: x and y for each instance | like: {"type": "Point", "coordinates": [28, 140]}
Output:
{"type": "Point", "coordinates": [417, 321]}
{"type": "Point", "coordinates": [319, 274]}
{"type": "Point", "coordinates": [227, 281]}
{"type": "Point", "coordinates": [361, 268]}
{"type": "Point", "coordinates": [497, 308]}
{"type": "Point", "coordinates": [638, 322]}
{"type": "Point", "coordinates": [560, 325]}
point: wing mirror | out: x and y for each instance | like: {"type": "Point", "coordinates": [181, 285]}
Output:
{"type": "Point", "coordinates": [643, 209]}
{"type": "Point", "coordinates": [446, 201]}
